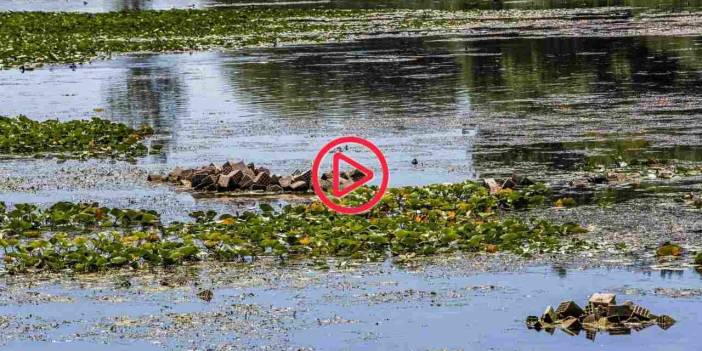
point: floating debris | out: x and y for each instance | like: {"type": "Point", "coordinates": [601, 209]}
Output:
{"type": "Point", "coordinates": [602, 314]}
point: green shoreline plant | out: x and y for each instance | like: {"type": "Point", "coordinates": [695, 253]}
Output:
{"type": "Point", "coordinates": [408, 221]}
{"type": "Point", "coordinates": [71, 139]}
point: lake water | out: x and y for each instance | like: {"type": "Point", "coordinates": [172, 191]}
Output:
{"type": "Point", "coordinates": [377, 307]}
{"type": "Point", "coordinates": [465, 105]}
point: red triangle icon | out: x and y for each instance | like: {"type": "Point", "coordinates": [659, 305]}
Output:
{"type": "Point", "coordinates": [336, 181]}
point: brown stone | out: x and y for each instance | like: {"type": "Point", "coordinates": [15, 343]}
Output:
{"type": "Point", "coordinates": [304, 176]}
{"type": "Point", "coordinates": [274, 188]}
{"type": "Point", "coordinates": [245, 182]}
{"type": "Point", "coordinates": [155, 178]}
{"type": "Point", "coordinates": [260, 170]}
{"type": "Point", "coordinates": [618, 312]}
{"type": "Point", "coordinates": [255, 186]}
{"type": "Point", "coordinates": [590, 320]}
{"type": "Point", "coordinates": [532, 322]}
{"type": "Point", "coordinates": [571, 324]}
{"type": "Point", "coordinates": [176, 174]}
{"type": "Point", "coordinates": [285, 182]}
{"type": "Point", "coordinates": [233, 165]}
{"type": "Point", "coordinates": [249, 172]}
{"type": "Point", "coordinates": [199, 178]}
{"type": "Point", "coordinates": [223, 182]}
{"type": "Point", "coordinates": [298, 186]}
{"type": "Point", "coordinates": [262, 179]}
{"type": "Point", "coordinates": [569, 309]}
{"type": "Point", "coordinates": [235, 177]}
{"type": "Point", "coordinates": [214, 169]}
{"type": "Point", "coordinates": [665, 322]}
{"type": "Point", "coordinates": [603, 299]}
{"type": "Point", "coordinates": [187, 174]}
{"type": "Point", "coordinates": [618, 329]}
{"type": "Point", "coordinates": [207, 183]}
{"type": "Point", "coordinates": [549, 315]}
{"type": "Point", "coordinates": [640, 312]}
{"type": "Point", "coordinates": [492, 185]}
{"type": "Point", "coordinates": [356, 175]}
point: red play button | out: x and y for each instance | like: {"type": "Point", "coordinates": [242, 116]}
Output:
{"type": "Point", "coordinates": [337, 189]}
{"type": "Point", "coordinates": [341, 186]}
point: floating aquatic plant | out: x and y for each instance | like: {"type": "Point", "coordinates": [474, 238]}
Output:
{"type": "Point", "coordinates": [27, 220]}
{"type": "Point", "coordinates": [408, 221]}
{"type": "Point", "coordinates": [28, 39]}
{"type": "Point", "coordinates": [73, 139]}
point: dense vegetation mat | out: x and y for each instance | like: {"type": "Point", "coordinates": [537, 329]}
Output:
{"type": "Point", "coordinates": [72, 139]}
{"type": "Point", "coordinates": [408, 221]}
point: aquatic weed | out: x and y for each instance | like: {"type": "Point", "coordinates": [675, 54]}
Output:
{"type": "Point", "coordinates": [425, 220]}
{"type": "Point", "coordinates": [71, 139]}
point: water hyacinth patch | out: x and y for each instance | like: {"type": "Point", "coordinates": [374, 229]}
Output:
{"type": "Point", "coordinates": [71, 139]}
{"type": "Point", "coordinates": [409, 221]}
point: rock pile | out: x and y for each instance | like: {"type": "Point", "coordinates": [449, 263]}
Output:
{"type": "Point", "coordinates": [236, 175]}
{"type": "Point", "coordinates": [601, 314]}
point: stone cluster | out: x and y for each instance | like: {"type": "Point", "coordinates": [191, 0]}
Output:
{"type": "Point", "coordinates": [602, 313]}
{"type": "Point", "coordinates": [236, 175]}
